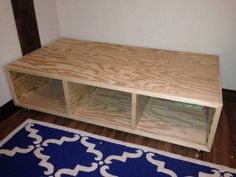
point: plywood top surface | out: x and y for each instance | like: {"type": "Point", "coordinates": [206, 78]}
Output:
{"type": "Point", "coordinates": [180, 76]}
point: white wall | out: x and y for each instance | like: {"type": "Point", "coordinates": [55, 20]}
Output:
{"type": "Point", "coordinates": [204, 26]}
{"type": "Point", "coordinates": [46, 14]}
{"type": "Point", "coordinates": [47, 19]}
{"type": "Point", "coordinates": [9, 46]}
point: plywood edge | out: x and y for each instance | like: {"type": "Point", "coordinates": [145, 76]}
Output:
{"type": "Point", "coordinates": [164, 138]}
{"type": "Point", "coordinates": [41, 109]}
{"type": "Point", "coordinates": [139, 103]}
{"type": "Point", "coordinates": [123, 124]}
{"type": "Point", "coordinates": [213, 127]}
{"type": "Point", "coordinates": [209, 121]}
{"type": "Point", "coordinates": [173, 140]}
{"type": "Point", "coordinates": [66, 95]}
{"type": "Point", "coordinates": [220, 81]}
{"type": "Point", "coordinates": [133, 110]}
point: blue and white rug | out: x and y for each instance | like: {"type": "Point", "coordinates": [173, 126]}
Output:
{"type": "Point", "coordinates": [39, 149]}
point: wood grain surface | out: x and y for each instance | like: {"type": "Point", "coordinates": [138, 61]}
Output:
{"type": "Point", "coordinates": [138, 105]}
{"type": "Point", "coordinates": [24, 84]}
{"type": "Point", "coordinates": [180, 76]}
{"type": "Point", "coordinates": [38, 91]}
{"type": "Point", "coordinates": [77, 92]}
{"type": "Point", "coordinates": [165, 118]}
{"type": "Point", "coordinates": [105, 106]}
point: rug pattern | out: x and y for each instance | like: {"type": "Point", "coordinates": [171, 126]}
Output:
{"type": "Point", "coordinates": [38, 150]}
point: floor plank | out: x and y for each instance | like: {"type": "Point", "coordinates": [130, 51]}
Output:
{"type": "Point", "coordinates": [223, 151]}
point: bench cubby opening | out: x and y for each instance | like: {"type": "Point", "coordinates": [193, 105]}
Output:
{"type": "Point", "coordinates": [37, 91]}
{"type": "Point", "coordinates": [177, 120]}
{"type": "Point", "coordinates": [100, 105]}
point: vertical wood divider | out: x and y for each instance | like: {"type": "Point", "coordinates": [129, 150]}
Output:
{"type": "Point", "coordinates": [213, 127]}
{"type": "Point", "coordinates": [133, 111]}
{"type": "Point", "coordinates": [67, 96]}
{"type": "Point", "coordinates": [139, 103]}
{"type": "Point", "coordinates": [209, 122]}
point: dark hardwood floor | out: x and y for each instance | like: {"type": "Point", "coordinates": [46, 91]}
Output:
{"type": "Point", "coordinates": [223, 151]}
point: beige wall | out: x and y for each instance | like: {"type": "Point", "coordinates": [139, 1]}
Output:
{"type": "Point", "coordinates": [46, 14]}
{"type": "Point", "coordinates": [47, 19]}
{"type": "Point", "coordinates": [204, 26]}
{"type": "Point", "coordinates": [9, 46]}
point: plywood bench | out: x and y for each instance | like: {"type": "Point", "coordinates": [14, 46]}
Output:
{"type": "Point", "coordinates": [167, 95]}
